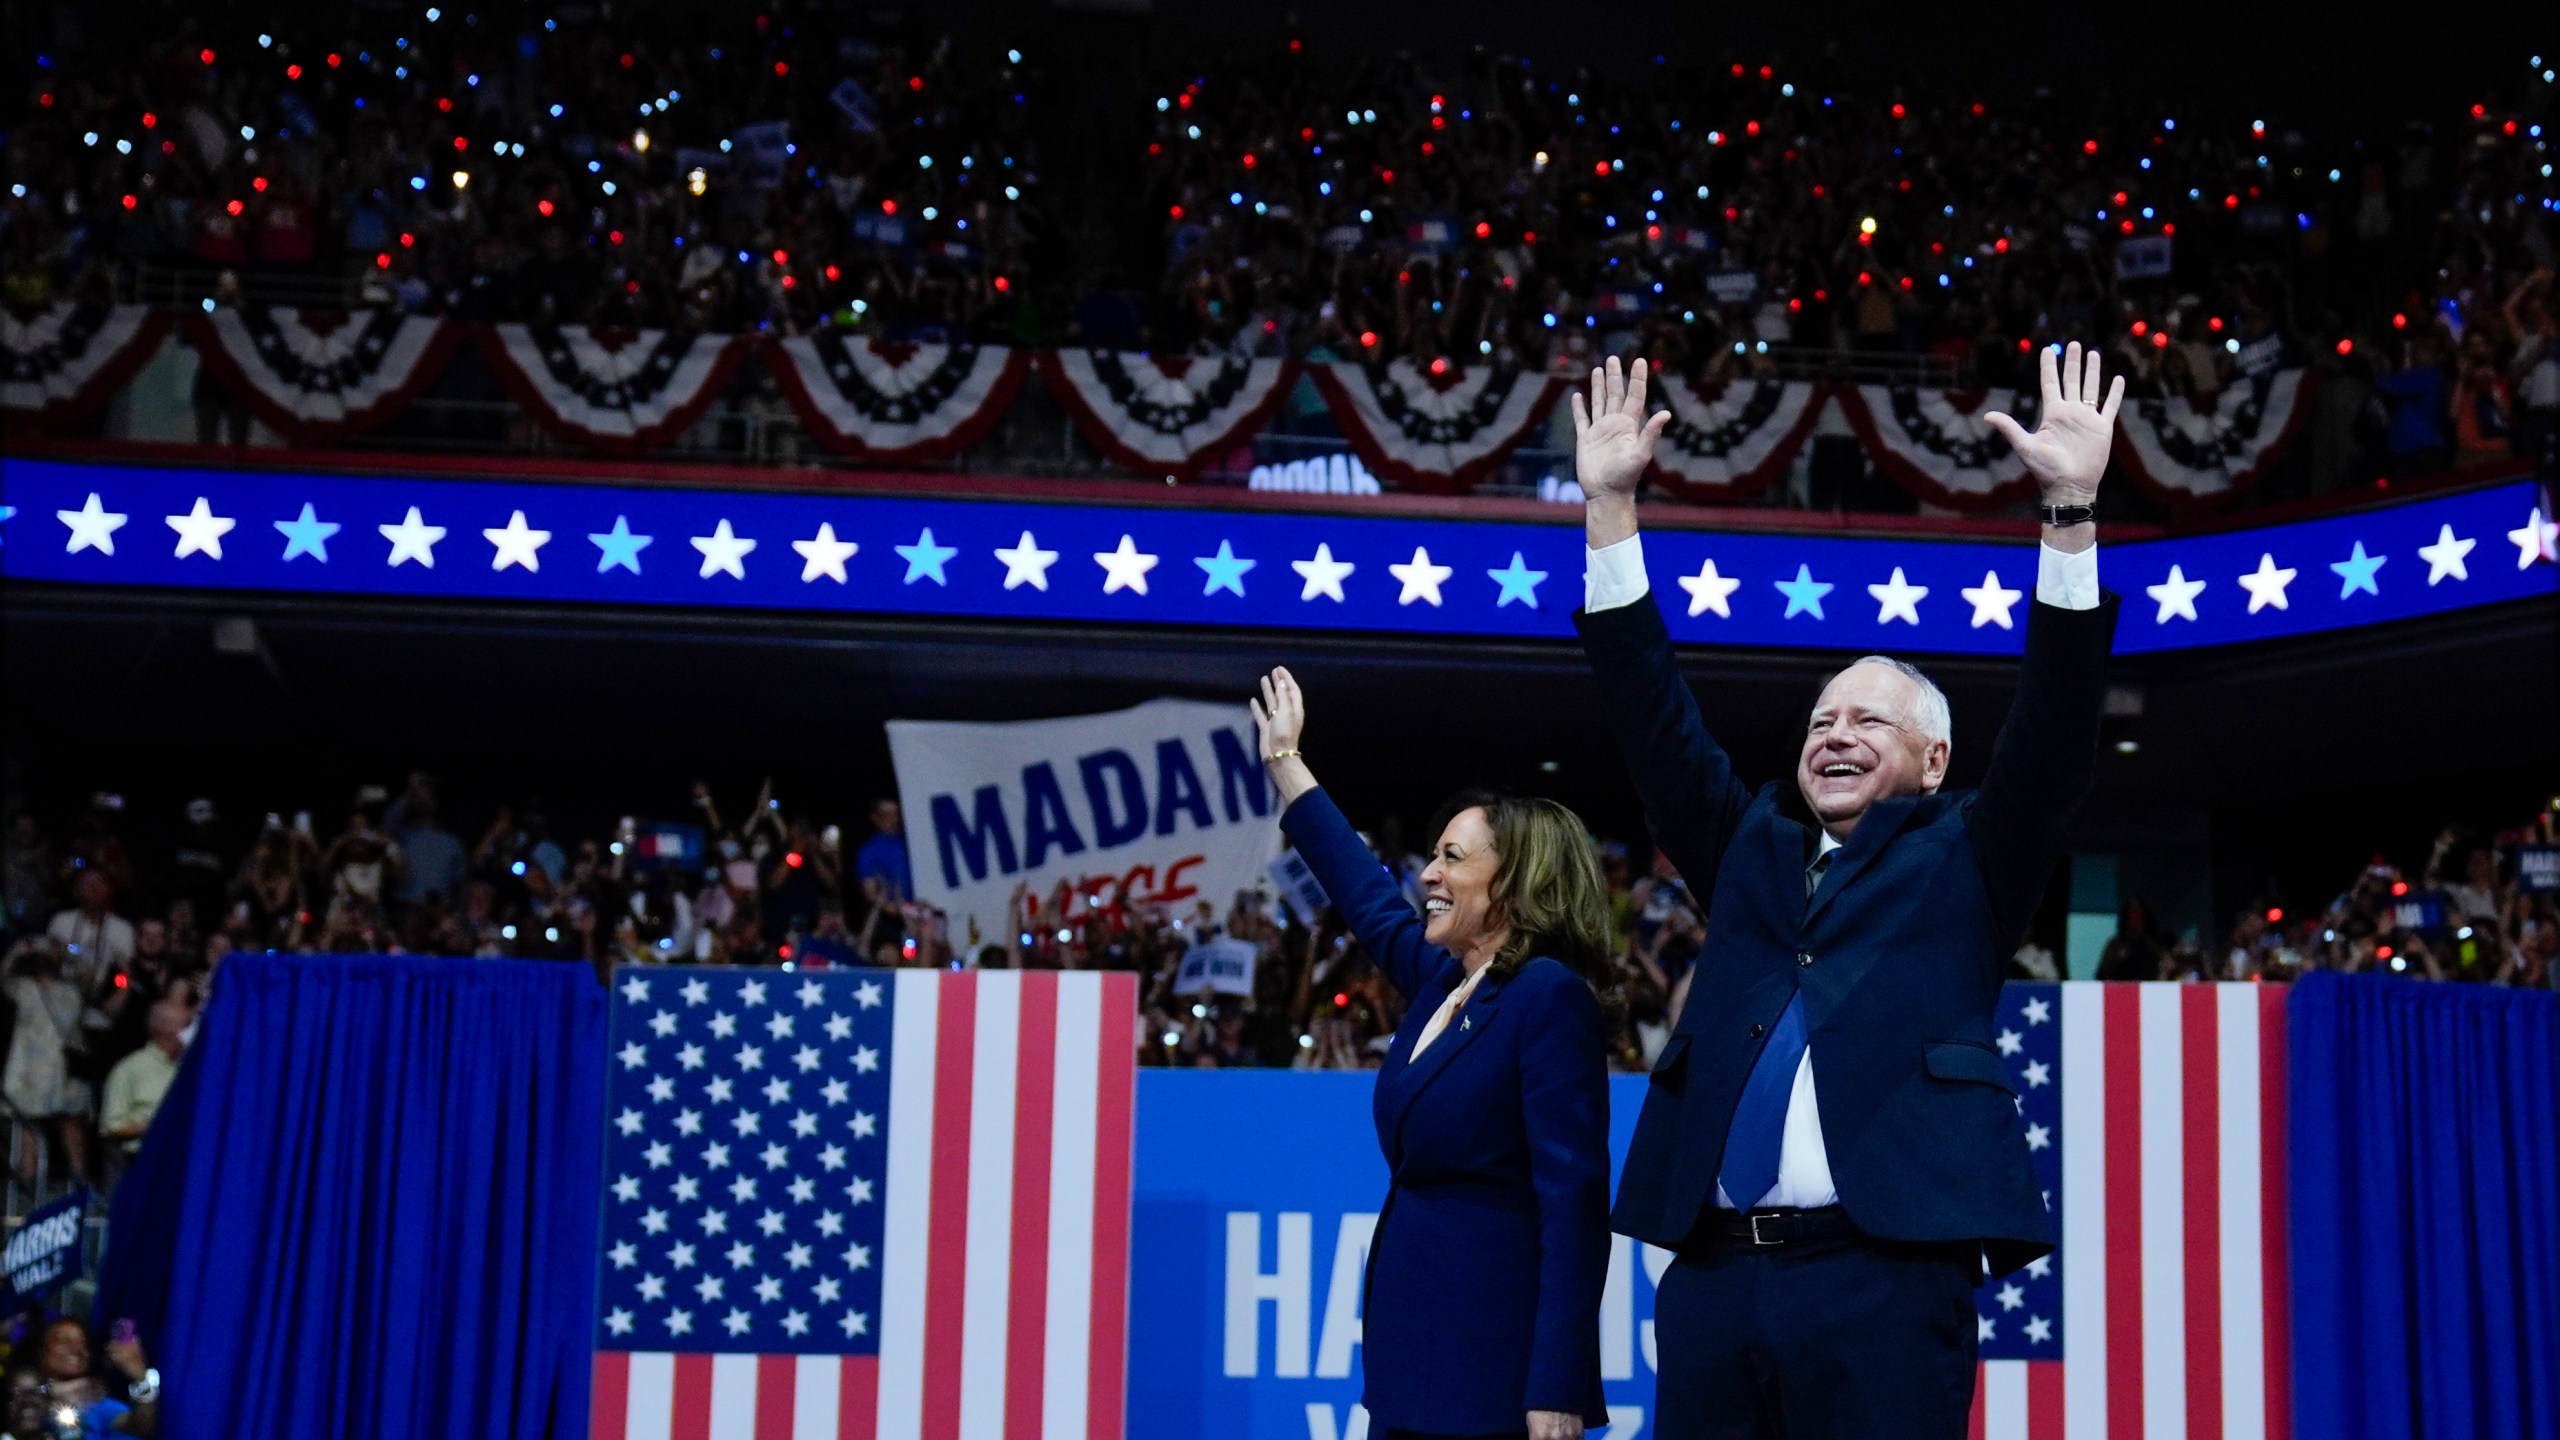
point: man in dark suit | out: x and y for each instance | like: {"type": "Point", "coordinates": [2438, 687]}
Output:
{"type": "Point", "coordinates": [1830, 1142]}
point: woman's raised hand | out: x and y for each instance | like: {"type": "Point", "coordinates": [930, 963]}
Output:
{"type": "Point", "coordinates": [1280, 713]}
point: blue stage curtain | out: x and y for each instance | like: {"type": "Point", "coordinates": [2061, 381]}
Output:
{"type": "Point", "coordinates": [2426, 1210]}
{"type": "Point", "coordinates": [370, 1206]}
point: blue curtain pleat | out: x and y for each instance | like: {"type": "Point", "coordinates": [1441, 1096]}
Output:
{"type": "Point", "coordinates": [369, 1206]}
{"type": "Point", "coordinates": [2425, 1157]}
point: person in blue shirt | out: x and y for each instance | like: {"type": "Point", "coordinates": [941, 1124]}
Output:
{"type": "Point", "coordinates": [1482, 1312]}
{"type": "Point", "coordinates": [885, 853]}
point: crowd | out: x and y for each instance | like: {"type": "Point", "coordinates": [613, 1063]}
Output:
{"type": "Point", "coordinates": [789, 167]}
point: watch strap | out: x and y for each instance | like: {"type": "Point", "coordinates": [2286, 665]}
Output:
{"type": "Point", "coordinates": [2068, 515]}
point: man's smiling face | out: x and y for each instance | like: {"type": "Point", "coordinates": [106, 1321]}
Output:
{"type": "Point", "coordinates": [1866, 742]}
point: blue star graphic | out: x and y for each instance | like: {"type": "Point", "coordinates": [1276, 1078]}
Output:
{"type": "Point", "coordinates": [2357, 570]}
{"type": "Point", "coordinates": [1519, 582]}
{"type": "Point", "coordinates": [926, 558]}
{"type": "Point", "coordinates": [5, 512]}
{"type": "Point", "coordinates": [307, 534]}
{"type": "Point", "coordinates": [1225, 570]}
{"type": "Point", "coordinates": [1804, 593]}
{"type": "Point", "coordinates": [620, 547]}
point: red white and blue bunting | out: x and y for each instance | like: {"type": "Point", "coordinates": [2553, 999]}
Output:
{"type": "Point", "coordinates": [1727, 442]}
{"type": "Point", "coordinates": [316, 377]}
{"type": "Point", "coordinates": [1430, 431]}
{"type": "Point", "coordinates": [1936, 445]}
{"type": "Point", "coordinates": [616, 390]}
{"type": "Point", "coordinates": [2184, 455]}
{"type": "Point", "coordinates": [67, 359]}
{"type": "Point", "coordinates": [891, 403]}
{"type": "Point", "coordinates": [1165, 414]}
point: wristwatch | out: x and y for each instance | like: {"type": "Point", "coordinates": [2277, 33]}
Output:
{"type": "Point", "coordinates": [147, 1389]}
{"type": "Point", "coordinates": [2067, 515]}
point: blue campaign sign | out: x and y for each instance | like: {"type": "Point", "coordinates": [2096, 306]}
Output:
{"type": "Point", "coordinates": [1255, 1192]}
{"type": "Point", "coordinates": [1401, 574]}
{"type": "Point", "coordinates": [43, 1254]}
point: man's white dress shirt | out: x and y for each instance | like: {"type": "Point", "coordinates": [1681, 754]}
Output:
{"type": "Point", "coordinates": [1613, 576]}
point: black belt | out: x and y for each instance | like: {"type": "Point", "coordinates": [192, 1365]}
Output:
{"type": "Point", "coordinates": [1781, 1227]}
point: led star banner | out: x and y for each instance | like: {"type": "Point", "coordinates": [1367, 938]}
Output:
{"type": "Point", "coordinates": [224, 530]}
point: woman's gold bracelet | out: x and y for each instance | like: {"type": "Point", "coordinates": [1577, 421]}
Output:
{"type": "Point", "coordinates": [1276, 756]}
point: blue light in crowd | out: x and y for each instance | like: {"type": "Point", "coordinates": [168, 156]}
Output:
{"type": "Point", "coordinates": [2168, 124]}
{"type": "Point", "coordinates": [2146, 162]}
{"type": "Point", "coordinates": [1324, 187]}
{"type": "Point", "coordinates": [515, 869]}
{"type": "Point", "coordinates": [2302, 220]}
{"type": "Point", "coordinates": [2146, 212]}
{"type": "Point", "coordinates": [745, 258]}
{"type": "Point", "coordinates": [558, 110]}
{"type": "Point", "coordinates": [595, 167]}
{"type": "Point", "coordinates": [1235, 197]}
{"type": "Point", "coordinates": [472, 80]}
{"type": "Point", "coordinates": [417, 182]}
{"type": "Point", "coordinates": [1945, 280]}
{"type": "Point", "coordinates": [1550, 319]}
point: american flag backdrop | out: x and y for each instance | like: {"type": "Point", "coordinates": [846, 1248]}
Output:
{"type": "Point", "coordinates": [2156, 1122]}
{"type": "Point", "coordinates": [851, 1203]}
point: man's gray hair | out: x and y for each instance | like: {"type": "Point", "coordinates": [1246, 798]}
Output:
{"type": "Point", "coordinates": [1934, 719]}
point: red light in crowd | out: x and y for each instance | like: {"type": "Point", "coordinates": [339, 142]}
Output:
{"type": "Point", "coordinates": [1297, 45]}
{"type": "Point", "coordinates": [1820, 296]}
{"type": "Point", "coordinates": [2160, 341]}
{"type": "Point", "coordinates": [1817, 192]}
{"type": "Point", "coordinates": [1906, 184]}
{"type": "Point", "coordinates": [259, 184]}
{"type": "Point", "coordinates": [1426, 145]}
{"type": "Point", "coordinates": [293, 72]}
{"type": "Point", "coordinates": [333, 62]}
{"type": "Point", "coordinates": [1248, 159]}
{"type": "Point", "coordinates": [2275, 914]}
{"type": "Point", "coordinates": [1730, 213]}
{"type": "Point", "coordinates": [632, 286]}
{"type": "Point", "coordinates": [2383, 950]}
{"type": "Point", "coordinates": [916, 82]}
{"type": "Point", "coordinates": [1794, 303]}
{"type": "Point", "coordinates": [1387, 177]}
{"type": "Point", "coordinates": [2510, 127]}
{"type": "Point", "coordinates": [444, 105]}
{"type": "Point", "coordinates": [613, 236]}
{"type": "Point", "coordinates": [1751, 127]}
{"type": "Point", "coordinates": [2230, 202]}
{"type": "Point", "coordinates": [461, 142]}
{"type": "Point", "coordinates": [781, 257]}
{"type": "Point", "coordinates": [1599, 167]}
{"type": "Point", "coordinates": [1439, 365]}
{"type": "Point", "coordinates": [2168, 229]}
{"type": "Point", "coordinates": [1898, 111]}
{"type": "Point", "coordinates": [544, 206]}
{"type": "Point", "coordinates": [130, 202]}
{"type": "Point", "coordinates": [1906, 282]}
{"type": "Point", "coordinates": [1154, 149]}
{"type": "Point", "coordinates": [45, 100]}
{"type": "Point", "coordinates": [1438, 122]}
{"type": "Point", "coordinates": [2000, 246]}
{"type": "Point", "coordinates": [1737, 70]}
{"type": "Point", "coordinates": [1306, 132]}
{"type": "Point", "coordinates": [2399, 887]}
{"type": "Point", "coordinates": [833, 274]}
{"type": "Point", "coordinates": [786, 951]}
{"type": "Point", "coordinates": [626, 60]}
{"type": "Point", "coordinates": [1404, 277]}
{"type": "Point", "coordinates": [1341, 1000]}
{"type": "Point", "coordinates": [407, 240]}
{"type": "Point", "coordinates": [1177, 212]}
{"type": "Point", "coordinates": [2213, 323]}
{"type": "Point", "coordinates": [2399, 322]}
{"type": "Point", "coordinates": [781, 67]}
{"type": "Point", "coordinates": [2119, 197]}
{"type": "Point", "coordinates": [1003, 284]}
{"type": "Point", "coordinates": [1977, 107]}
{"type": "Point", "coordinates": [1865, 278]}
{"type": "Point", "coordinates": [2476, 111]}
{"type": "Point", "coordinates": [382, 261]}
{"type": "Point", "coordinates": [121, 981]}
{"type": "Point", "coordinates": [1653, 232]}
{"type": "Point", "coordinates": [1528, 237]}
{"type": "Point", "coordinates": [2128, 227]}
{"type": "Point", "coordinates": [890, 207]}
{"type": "Point", "coordinates": [1937, 248]}
{"type": "Point", "coordinates": [793, 859]}
{"type": "Point", "coordinates": [149, 120]}
{"type": "Point", "coordinates": [2088, 147]}
{"type": "Point", "coordinates": [2346, 347]}
{"type": "Point", "coordinates": [235, 207]}
{"type": "Point", "coordinates": [1865, 239]}
{"type": "Point", "coordinates": [207, 57]}
{"type": "Point", "coordinates": [302, 917]}
{"type": "Point", "coordinates": [1368, 338]}
{"type": "Point", "coordinates": [1766, 72]}
{"type": "Point", "coordinates": [1483, 230]}
{"type": "Point", "coordinates": [2025, 345]}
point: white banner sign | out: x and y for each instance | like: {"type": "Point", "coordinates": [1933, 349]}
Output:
{"type": "Point", "coordinates": [1162, 804]}
{"type": "Point", "coordinates": [1221, 966]}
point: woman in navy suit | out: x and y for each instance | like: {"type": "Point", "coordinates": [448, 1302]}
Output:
{"type": "Point", "coordinates": [1482, 1316]}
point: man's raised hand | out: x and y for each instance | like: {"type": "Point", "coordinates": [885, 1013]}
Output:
{"type": "Point", "coordinates": [1612, 439]}
{"type": "Point", "coordinates": [2068, 451]}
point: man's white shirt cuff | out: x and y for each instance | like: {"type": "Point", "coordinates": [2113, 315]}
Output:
{"type": "Point", "coordinates": [2066, 581]}
{"type": "Point", "coordinates": [1613, 575]}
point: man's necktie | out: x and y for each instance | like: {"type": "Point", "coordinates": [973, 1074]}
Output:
{"type": "Point", "coordinates": [1759, 1129]}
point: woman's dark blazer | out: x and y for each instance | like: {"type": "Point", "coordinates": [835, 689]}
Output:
{"type": "Point", "coordinates": [1486, 1267]}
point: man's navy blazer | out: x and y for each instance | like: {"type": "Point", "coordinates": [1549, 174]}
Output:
{"type": "Point", "coordinates": [1492, 1249]}
{"type": "Point", "coordinates": [1899, 952]}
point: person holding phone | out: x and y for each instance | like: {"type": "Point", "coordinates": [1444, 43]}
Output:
{"type": "Point", "coordinates": [1482, 1316]}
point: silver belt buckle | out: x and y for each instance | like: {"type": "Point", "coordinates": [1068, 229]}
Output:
{"type": "Point", "coordinates": [1757, 1238]}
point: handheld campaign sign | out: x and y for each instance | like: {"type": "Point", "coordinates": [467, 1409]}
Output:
{"type": "Point", "coordinates": [1221, 966]}
{"type": "Point", "coordinates": [43, 1255]}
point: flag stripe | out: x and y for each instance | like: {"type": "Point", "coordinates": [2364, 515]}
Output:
{"type": "Point", "coordinates": [986, 1321]}
{"type": "Point", "coordinates": [1117, 1095]}
{"type": "Point", "coordinates": [1073, 1120]}
{"type": "Point", "coordinates": [2163, 1335]}
{"type": "Point", "coordinates": [2276, 1323]}
{"type": "Point", "coordinates": [2044, 1400]}
{"type": "Point", "coordinates": [734, 1411]}
{"type": "Point", "coordinates": [777, 1396]}
{"type": "Point", "coordinates": [689, 1413]}
{"type": "Point", "coordinates": [2122, 1052]}
{"type": "Point", "coordinates": [1977, 1424]}
{"type": "Point", "coordinates": [907, 1226]}
{"type": "Point", "coordinates": [2243, 1357]}
{"type": "Point", "coordinates": [816, 1402]}
{"type": "Point", "coordinates": [2200, 1102]}
{"type": "Point", "coordinates": [1026, 1304]}
{"type": "Point", "coordinates": [651, 1406]}
{"type": "Point", "coordinates": [946, 1244]}
{"type": "Point", "coordinates": [858, 1398]}
{"type": "Point", "coordinates": [2001, 1395]}
{"type": "Point", "coordinates": [609, 1415]}
{"type": "Point", "coordinates": [2086, 1203]}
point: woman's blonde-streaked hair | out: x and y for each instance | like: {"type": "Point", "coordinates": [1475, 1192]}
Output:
{"type": "Point", "coordinates": [1546, 888]}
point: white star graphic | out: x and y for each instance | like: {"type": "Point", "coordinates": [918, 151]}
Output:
{"type": "Point", "coordinates": [2266, 585]}
{"type": "Point", "coordinates": [1710, 591]}
{"type": "Point", "coordinates": [624, 1255]}
{"type": "Point", "coordinates": [832, 1157]}
{"type": "Point", "coordinates": [659, 1154]}
{"type": "Point", "coordinates": [723, 1025]}
{"type": "Point", "coordinates": [1125, 568]}
{"type": "Point", "coordinates": [768, 1289]}
{"type": "Point", "coordinates": [830, 1223]}
{"type": "Point", "coordinates": [737, 1321]}
{"type": "Point", "coordinates": [1991, 601]}
{"type": "Point", "coordinates": [2177, 596]}
{"type": "Point", "coordinates": [2536, 539]}
{"type": "Point", "coordinates": [778, 1025]}
{"type": "Point", "coordinates": [93, 527]}
{"type": "Point", "coordinates": [2037, 1011]}
{"type": "Point", "coordinates": [826, 1289]}
{"type": "Point", "coordinates": [2041, 1267]}
{"type": "Point", "coordinates": [695, 992]}
{"type": "Point", "coordinates": [795, 1323]}
{"type": "Point", "coordinates": [721, 1088]}
{"type": "Point", "coordinates": [681, 1256]}
{"type": "Point", "coordinates": [723, 550]}
{"type": "Point", "coordinates": [2038, 1137]}
{"type": "Point", "coordinates": [618, 1321]}
{"type": "Point", "coordinates": [634, 1055]}
{"type": "Point", "coordinates": [867, 995]}
{"type": "Point", "coordinates": [628, 1122]}
{"type": "Point", "coordinates": [710, 1287]}
{"type": "Point", "coordinates": [856, 1323]}
{"type": "Point", "coordinates": [653, 1287]}
{"type": "Point", "coordinates": [2445, 557]}
{"type": "Point", "coordinates": [2011, 1297]}
{"type": "Point", "coordinates": [810, 993]}
{"type": "Point", "coordinates": [200, 531]}
{"type": "Point", "coordinates": [679, 1322]}
{"type": "Point", "coordinates": [1984, 1328]}
{"type": "Point", "coordinates": [741, 1255]}
{"type": "Point", "coordinates": [634, 989]}
{"type": "Point", "coordinates": [801, 1189]}
{"type": "Point", "coordinates": [1898, 599]}
{"type": "Point", "coordinates": [412, 539]}
{"type": "Point", "coordinates": [1421, 578]}
{"type": "Point", "coordinates": [2039, 1330]}
{"type": "Point", "coordinates": [865, 1124]}
{"type": "Point", "coordinates": [839, 1027]}
{"type": "Point", "coordinates": [2011, 1042]}
{"type": "Point", "coordinates": [806, 1057]}
{"type": "Point", "coordinates": [663, 1024]}
{"type": "Point", "coordinates": [775, 1155]}
{"type": "Point", "coordinates": [835, 1091]}
{"type": "Point", "coordinates": [654, 1221]}
{"type": "Point", "coordinates": [797, 1257]}
{"type": "Point", "coordinates": [1025, 563]}
{"type": "Point", "coordinates": [824, 554]}
{"type": "Point", "coordinates": [859, 1192]}
{"type": "Point", "coordinates": [866, 1059]}
{"type": "Point", "coordinates": [516, 544]}
{"type": "Point", "coordinates": [625, 1188]}
{"type": "Point", "coordinates": [751, 993]}
{"type": "Point", "coordinates": [1324, 574]}
{"type": "Point", "coordinates": [2038, 1073]}
{"type": "Point", "coordinates": [857, 1257]}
